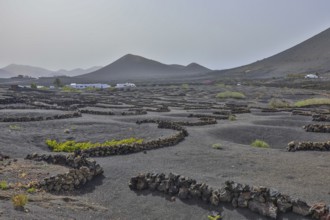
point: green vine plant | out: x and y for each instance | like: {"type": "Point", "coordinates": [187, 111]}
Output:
{"type": "Point", "coordinates": [71, 146]}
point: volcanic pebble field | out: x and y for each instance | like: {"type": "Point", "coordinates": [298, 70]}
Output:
{"type": "Point", "coordinates": [185, 129]}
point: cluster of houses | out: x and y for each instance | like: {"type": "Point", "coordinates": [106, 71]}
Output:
{"type": "Point", "coordinates": [81, 86]}
{"type": "Point", "coordinates": [101, 86]}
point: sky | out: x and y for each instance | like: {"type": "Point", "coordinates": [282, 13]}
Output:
{"type": "Point", "coordinates": [218, 34]}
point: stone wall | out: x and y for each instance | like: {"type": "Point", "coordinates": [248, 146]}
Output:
{"type": "Point", "coordinates": [303, 113]}
{"type": "Point", "coordinates": [317, 128]}
{"type": "Point", "coordinates": [265, 201]}
{"type": "Point", "coordinates": [201, 122]}
{"type": "Point", "coordinates": [82, 170]}
{"type": "Point", "coordinates": [308, 146]}
{"type": "Point", "coordinates": [93, 112]}
{"type": "Point", "coordinates": [40, 118]}
{"type": "Point", "coordinates": [321, 117]}
{"type": "Point", "coordinates": [134, 148]}
{"type": "Point", "coordinates": [135, 112]}
{"type": "Point", "coordinates": [160, 109]}
{"type": "Point", "coordinates": [217, 117]}
{"type": "Point", "coordinates": [222, 112]}
{"type": "Point", "coordinates": [12, 100]}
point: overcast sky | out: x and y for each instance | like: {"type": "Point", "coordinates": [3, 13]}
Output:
{"type": "Point", "coordinates": [216, 33]}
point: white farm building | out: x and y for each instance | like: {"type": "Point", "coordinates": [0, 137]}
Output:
{"type": "Point", "coordinates": [125, 85]}
{"type": "Point", "coordinates": [84, 86]}
{"type": "Point", "coordinates": [311, 76]}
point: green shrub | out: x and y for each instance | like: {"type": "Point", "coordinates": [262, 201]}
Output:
{"type": "Point", "coordinates": [312, 101]}
{"type": "Point", "coordinates": [185, 86]}
{"type": "Point", "coordinates": [33, 86]}
{"type": "Point", "coordinates": [217, 146]}
{"type": "Point", "coordinates": [214, 217]}
{"type": "Point", "coordinates": [71, 146]}
{"type": "Point", "coordinates": [278, 103]}
{"type": "Point", "coordinates": [31, 190]}
{"type": "Point", "coordinates": [19, 200]}
{"type": "Point", "coordinates": [14, 127]}
{"type": "Point", "coordinates": [232, 118]}
{"type": "Point", "coordinates": [70, 89]}
{"type": "Point", "coordinates": [3, 185]}
{"type": "Point", "coordinates": [229, 94]}
{"type": "Point", "coordinates": [260, 144]}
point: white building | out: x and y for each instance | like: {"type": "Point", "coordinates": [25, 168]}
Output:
{"type": "Point", "coordinates": [125, 85]}
{"type": "Point", "coordinates": [311, 76]}
{"type": "Point", "coordinates": [84, 86]}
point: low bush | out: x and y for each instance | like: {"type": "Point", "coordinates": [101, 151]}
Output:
{"type": "Point", "coordinates": [260, 144]}
{"type": "Point", "coordinates": [214, 217]}
{"type": "Point", "coordinates": [3, 185]}
{"type": "Point", "coordinates": [14, 127]}
{"type": "Point", "coordinates": [185, 86]}
{"type": "Point", "coordinates": [278, 103]}
{"type": "Point", "coordinates": [19, 200]}
{"type": "Point", "coordinates": [71, 146]}
{"type": "Point", "coordinates": [229, 94]}
{"type": "Point", "coordinates": [69, 89]}
{"type": "Point", "coordinates": [31, 190]}
{"type": "Point", "coordinates": [312, 101]}
{"type": "Point", "coordinates": [217, 146]}
{"type": "Point", "coordinates": [232, 118]}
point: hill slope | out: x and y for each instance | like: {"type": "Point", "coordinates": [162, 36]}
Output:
{"type": "Point", "coordinates": [131, 67]}
{"type": "Point", "coordinates": [5, 74]}
{"type": "Point", "coordinates": [33, 71]}
{"type": "Point", "coordinates": [75, 72]}
{"type": "Point", "coordinates": [312, 55]}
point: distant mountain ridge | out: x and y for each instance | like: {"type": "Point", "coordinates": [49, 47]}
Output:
{"type": "Point", "coordinates": [134, 67]}
{"type": "Point", "coordinates": [75, 72]}
{"type": "Point", "coordinates": [310, 56]}
{"type": "Point", "coordinates": [13, 70]}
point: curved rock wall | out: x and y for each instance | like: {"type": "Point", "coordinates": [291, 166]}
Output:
{"type": "Point", "coordinates": [321, 117]}
{"type": "Point", "coordinates": [40, 118]}
{"type": "Point", "coordinates": [83, 170]}
{"type": "Point", "coordinates": [85, 111]}
{"type": "Point", "coordinates": [265, 201]}
{"type": "Point", "coordinates": [220, 117]}
{"type": "Point", "coordinates": [317, 128]}
{"type": "Point", "coordinates": [308, 146]}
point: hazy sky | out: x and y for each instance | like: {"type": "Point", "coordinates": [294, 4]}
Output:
{"type": "Point", "coordinates": [216, 33]}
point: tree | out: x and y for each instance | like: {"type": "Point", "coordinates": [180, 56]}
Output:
{"type": "Point", "coordinates": [33, 86]}
{"type": "Point", "coordinates": [57, 83]}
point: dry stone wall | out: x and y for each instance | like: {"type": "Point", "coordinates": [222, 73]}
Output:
{"type": "Point", "coordinates": [134, 148]}
{"type": "Point", "coordinates": [317, 128]}
{"type": "Point", "coordinates": [265, 201]}
{"type": "Point", "coordinates": [82, 170]}
{"type": "Point", "coordinates": [40, 118]}
{"type": "Point", "coordinates": [321, 117]}
{"type": "Point", "coordinates": [201, 116]}
{"type": "Point", "coordinates": [308, 146]}
{"type": "Point", "coordinates": [93, 112]}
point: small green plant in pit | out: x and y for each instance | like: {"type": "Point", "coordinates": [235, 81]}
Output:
{"type": "Point", "coordinates": [71, 146]}
{"type": "Point", "coordinates": [312, 101]}
{"type": "Point", "coordinates": [232, 118]}
{"type": "Point", "coordinates": [14, 127]}
{"type": "Point", "coordinates": [185, 86]}
{"type": "Point", "coordinates": [31, 190]}
{"type": "Point", "coordinates": [278, 103]}
{"type": "Point", "coordinates": [260, 144]}
{"type": "Point", "coordinates": [3, 185]}
{"type": "Point", "coordinates": [34, 86]}
{"type": "Point", "coordinates": [69, 89]}
{"type": "Point", "coordinates": [229, 94]}
{"type": "Point", "coordinates": [214, 217]}
{"type": "Point", "coordinates": [19, 200]}
{"type": "Point", "coordinates": [217, 146]}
